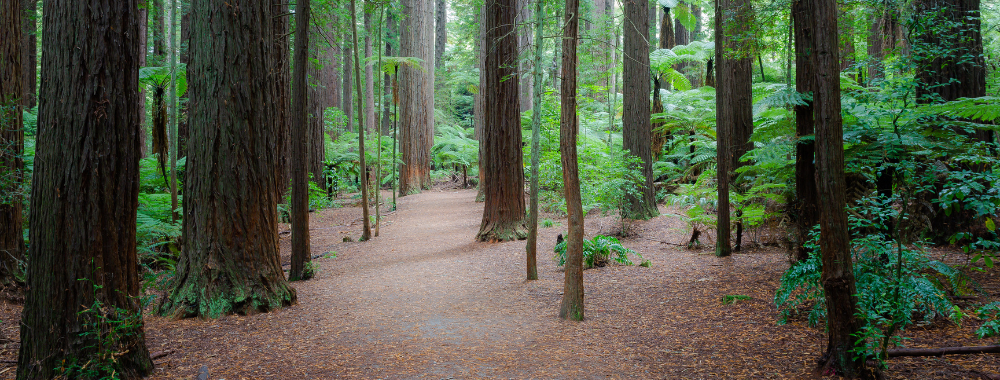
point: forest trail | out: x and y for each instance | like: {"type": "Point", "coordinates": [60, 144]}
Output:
{"type": "Point", "coordinates": [425, 301]}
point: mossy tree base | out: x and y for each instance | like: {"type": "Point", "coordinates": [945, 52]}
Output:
{"type": "Point", "coordinates": [497, 232]}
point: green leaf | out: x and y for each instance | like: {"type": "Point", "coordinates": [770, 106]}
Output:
{"type": "Point", "coordinates": [990, 225]}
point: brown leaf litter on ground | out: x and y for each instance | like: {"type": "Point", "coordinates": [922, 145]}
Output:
{"type": "Point", "coordinates": [425, 301]}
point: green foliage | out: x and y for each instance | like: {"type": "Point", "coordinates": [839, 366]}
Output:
{"type": "Point", "coordinates": [598, 251]}
{"type": "Point", "coordinates": [159, 77]}
{"type": "Point", "coordinates": [731, 299]}
{"type": "Point", "coordinates": [990, 328]}
{"type": "Point", "coordinates": [108, 330]}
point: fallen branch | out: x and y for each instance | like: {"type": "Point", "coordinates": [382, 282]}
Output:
{"type": "Point", "coordinates": [967, 350]}
{"type": "Point", "coordinates": [664, 242]}
{"type": "Point", "coordinates": [160, 355]}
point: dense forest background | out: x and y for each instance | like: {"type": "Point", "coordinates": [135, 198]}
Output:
{"type": "Point", "coordinates": [151, 148]}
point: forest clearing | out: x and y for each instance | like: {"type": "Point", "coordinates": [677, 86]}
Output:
{"type": "Point", "coordinates": [510, 189]}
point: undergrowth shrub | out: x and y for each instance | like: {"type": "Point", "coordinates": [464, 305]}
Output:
{"type": "Point", "coordinates": [598, 251]}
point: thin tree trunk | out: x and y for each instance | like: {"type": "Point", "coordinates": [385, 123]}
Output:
{"type": "Point", "coordinates": [838, 270]}
{"type": "Point", "coordinates": [536, 123]}
{"type": "Point", "coordinates": [172, 91]}
{"type": "Point", "coordinates": [523, 42]}
{"type": "Point", "coordinates": [636, 128]}
{"type": "Point", "coordinates": [283, 104]}
{"type": "Point", "coordinates": [572, 302]}
{"type": "Point", "coordinates": [806, 198]}
{"type": "Point", "coordinates": [83, 247]}
{"type": "Point", "coordinates": [231, 264]}
{"type": "Point", "coordinates": [416, 97]}
{"type": "Point", "coordinates": [502, 169]}
{"type": "Point", "coordinates": [366, 229]}
{"type": "Point", "coordinates": [667, 35]}
{"type": "Point", "coordinates": [392, 33]}
{"type": "Point", "coordinates": [300, 161]}
{"type": "Point", "coordinates": [13, 100]}
{"type": "Point", "coordinates": [441, 32]}
{"type": "Point", "coordinates": [369, 78]}
{"type": "Point", "coordinates": [347, 101]}
{"type": "Point", "coordinates": [724, 132]}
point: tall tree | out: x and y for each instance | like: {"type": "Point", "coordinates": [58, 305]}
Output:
{"type": "Point", "coordinates": [230, 259]}
{"type": "Point", "coordinates": [158, 8]}
{"type": "Point", "coordinates": [843, 324]}
{"type": "Point", "coordinates": [536, 125]}
{"type": "Point", "coordinates": [667, 36]}
{"type": "Point", "coordinates": [317, 97]}
{"type": "Point", "coordinates": [392, 35]}
{"type": "Point", "coordinates": [441, 32]}
{"type": "Point", "coordinates": [806, 198]}
{"type": "Point", "coordinates": [734, 112]}
{"type": "Point", "coordinates": [13, 99]}
{"type": "Point", "coordinates": [502, 169]}
{"type": "Point", "coordinates": [369, 75]}
{"type": "Point", "coordinates": [30, 50]}
{"type": "Point", "coordinates": [281, 76]}
{"type": "Point", "coordinates": [416, 87]}
{"type": "Point", "coordinates": [523, 42]}
{"type": "Point", "coordinates": [960, 71]}
{"type": "Point", "coordinates": [347, 101]}
{"type": "Point", "coordinates": [572, 302]}
{"type": "Point", "coordinates": [636, 127]}
{"type": "Point", "coordinates": [83, 252]}
{"type": "Point", "coordinates": [366, 230]}
{"type": "Point", "coordinates": [300, 149]}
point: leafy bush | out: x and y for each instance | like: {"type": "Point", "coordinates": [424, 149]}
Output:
{"type": "Point", "coordinates": [598, 251]}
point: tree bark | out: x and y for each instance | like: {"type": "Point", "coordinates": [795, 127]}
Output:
{"type": "Point", "coordinates": [13, 100]}
{"type": "Point", "coordinates": [300, 151]}
{"type": "Point", "coordinates": [369, 77]}
{"type": "Point", "coordinates": [572, 303]}
{"type": "Point", "coordinates": [967, 350]}
{"type": "Point", "coordinates": [317, 109]}
{"type": "Point", "coordinates": [416, 88]}
{"type": "Point", "coordinates": [835, 244]}
{"type": "Point", "coordinates": [366, 231]}
{"type": "Point", "coordinates": [523, 43]}
{"type": "Point", "coordinates": [441, 32]}
{"type": "Point", "coordinates": [502, 168]}
{"type": "Point", "coordinates": [667, 36]}
{"type": "Point", "coordinates": [636, 127]}
{"type": "Point", "coordinates": [536, 124]}
{"type": "Point", "coordinates": [282, 77]}
{"type": "Point", "coordinates": [158, 32]}
{"type": "Point", "coordinates": [392, 34]}
{"type": "Point", "coordinates": [962, 71]}
{"type": "Point", "coordinates": [29, 60]}
{"type": "Point", "coordinates": [347, 101]}
{"type": "Point", "coordinates": [230, 260]}
{"type": "Point", "coordinates": [806, 198]}
{"type": "Point", "coordinates": [734, 107]}
{"type": "Point", "coordinates": [83, 248]}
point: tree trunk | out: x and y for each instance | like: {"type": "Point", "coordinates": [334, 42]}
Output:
{"type": "Point", "coordinates": [230, 259]}
{"type": "Point", "coordinates": [523, 43]}
{"type": "Point", "coordinates": [441, 32]}
{"type": "Point", "coordinates": [536, 123]}
{"type": "Point", "coordinates": [416, 97]}
{"type": "Point", "coordinates": [366, 231]}
{"type": "Point", "coordinates": [653, 23]}
{"type": "Point", "coordinates": [347, 101]}
{"type": "Point", "coordinates": [281, 74]}
{"type": "Point", "coordinates": [881, 39]}
{"type": "Point", "coordinates": [572, 302]}
{"type": "Point", "coordinates": [317, 108]}
{"type": "Point", "coordinates": [960, 72]}
{"type": "Point", "coordinates": [158, 32]}
{"type": "Point", "coordinates": [845, 23]}
{"type": "Point", "coordinates": [333, 84]}
{"type": "Point", "coordinates": [734, 106]}
{"type": "Point", "coordinates": [806, 198]}
{"type": "Point", "coordinates": [636, 128]}
{"type": "Point", "coordinates": [30, 50]}
{"type": "Point", "coordinates": [83, 273]}
{"type": "Point", "coordinates": [502, 169]}
{"type": "Point", "coordinates": [369, 78]}
{"type": "Point", "coordinates": [300, 152]}
{"type": "Point", "coordinates": [392, 34]}
{"type": "Point", "coordinates": [13, 99]}
{"type": "Point", "coordinates": [667, 35]}
{"type": "Point", "coordinates": [835, 244]}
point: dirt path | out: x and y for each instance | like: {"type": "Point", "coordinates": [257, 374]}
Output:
{"type": "Point", "coordinates": [424, 301]}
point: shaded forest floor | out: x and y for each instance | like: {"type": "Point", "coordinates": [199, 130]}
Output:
{"type": "Point", "coordinates": [425, 301]}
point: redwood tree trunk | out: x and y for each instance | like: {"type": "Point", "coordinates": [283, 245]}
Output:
{"type": "Point", "coordinates": [30, 58]}
{"type": "Point", "coordinates": [392, 34]}
{"type": "Point", "coordinates": [369, 78]}
{"type": "Point", "coordinates": [347, 101]}
{"type": "Point", "coordinates": [416, 87]}
{"type": "Point", "coordinates": [86, 169]}
{"type": "Point", "coordinates": [317, 108]}
{"type": "Point", "coordinates": [734, 118]}
{"type": "Point", "coordinates": [636, 127]}
{"type": "Point", "coordinates": [572, 302]}
{"type": "Point", "coordinates": [502, 168]}
{"type": "Point", "coordinates": [230, 258]}
{"type": "Point", "coordinates": [523, 43]}
{"type": "Point", "coordinates": [13, 99]}
{"type": "Point", "coordinates": [300, 149]}
{"type": "Point", "coordinates": [838, 269]}
{"type": "Point", "coordinates": [806, 198]}
{"type": "Point", "coordinates": [282, 104]}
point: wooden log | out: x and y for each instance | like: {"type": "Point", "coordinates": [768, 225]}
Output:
{"type": "Point", "coordinates": [943, 351]}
